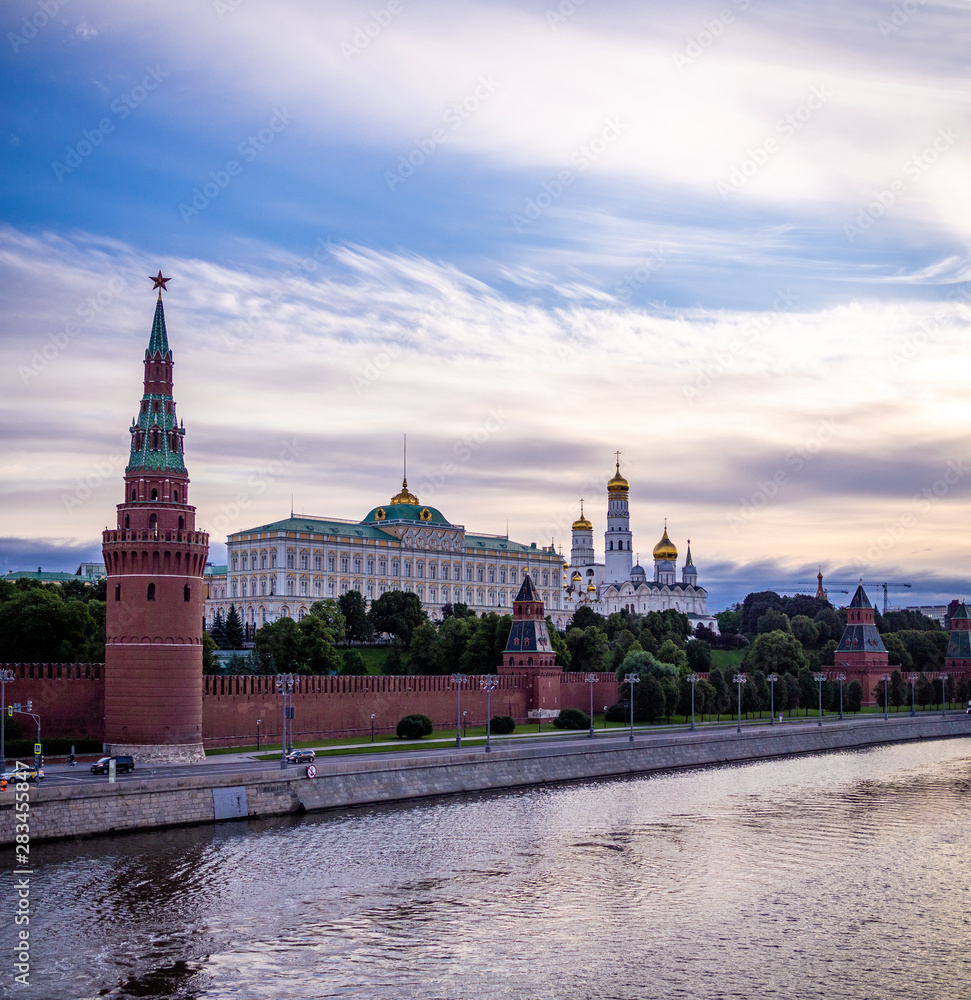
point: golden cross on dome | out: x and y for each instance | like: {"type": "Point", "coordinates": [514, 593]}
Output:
{"type": "Point", "coordinates": [617, 455]}
{"type": "Point", "coordinates": [160, 283]}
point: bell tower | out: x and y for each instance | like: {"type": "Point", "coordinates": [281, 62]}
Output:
{"type": "Point", "coordinates": [155, 560]}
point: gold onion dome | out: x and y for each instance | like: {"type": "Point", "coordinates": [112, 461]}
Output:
{"type": "Point", "coordinates": [618, 484]}
{"type": "Point", "coordinates": [591, 587]}
{"type": "Point", "coordinates": [581, 523]}
{"type": "Point", "coordinates": [665, 548]}
{"type": "Point", "coordinates": [405, 496]}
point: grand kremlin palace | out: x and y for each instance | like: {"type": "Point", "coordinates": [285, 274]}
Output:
{"type": "Point", "coordinates": [280, 569]}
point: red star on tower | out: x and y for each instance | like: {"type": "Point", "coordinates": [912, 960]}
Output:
{"type": "Point", "coordinates": [160, 282]}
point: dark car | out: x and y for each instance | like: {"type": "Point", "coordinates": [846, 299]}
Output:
{"type": "Point", "coordinates": [123, 763]}
{"type": "Point", "coordinates": [301, 757]}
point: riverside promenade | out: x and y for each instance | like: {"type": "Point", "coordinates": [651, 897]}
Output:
{"type": "Point", "coordinates": [76, 804]}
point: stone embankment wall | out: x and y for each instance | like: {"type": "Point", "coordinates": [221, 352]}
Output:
{"type": "Point", "coordinates": [90, 809]}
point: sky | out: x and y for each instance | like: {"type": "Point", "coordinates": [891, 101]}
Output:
{"type": "Point", "coordinates": [728, 240]}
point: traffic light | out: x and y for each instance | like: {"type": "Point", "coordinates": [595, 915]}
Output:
{"type": "Point", "coordinates": [30, 705]}
{"type": "Point", "coordinates": [10, 710]}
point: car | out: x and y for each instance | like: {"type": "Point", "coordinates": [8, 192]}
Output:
{"type": "Point", "coordinates": [301, 757]}
{"type": "Point", "coordinates": [123, 764]}
{"type": "Point", "coordinates": [28, 773]}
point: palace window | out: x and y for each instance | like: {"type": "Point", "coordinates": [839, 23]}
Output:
{"type": "Point", "coordinates": [272, 558]}
{"type": "Point", "coordinates": [407, 567]}
{"type": "Point", "coordinates": [492, 574]}
{"type": "Point", "coordinates": [331, 563]}
{"type": "Point", "coordinates": [431, 571]}
{"type": "Point", "coordinates": [502, 575]}
{"type": "Point", "coordinates": [343, 564]}
{"type": "Point", "coordinates": [316, 588]}
{"type": "Point", "coordinates": [317, 562]}
{"type": "Point", "coordinates": [480, 573]}
{"type": "Point", "coordinates": [383, 567]}
{"type": "Point", "coordinates": [289, 558]}
{"type": "Point", "coordinates": [235, 588]}
{"type": "Point", "coordinates": [304, 561]}
{"type": "Point", "coordinates": [546, 578]}
{"type": "Point", "coordinates": [370, 566]}
{"type": "Point", "coordinates": [303, 588]}
{"type": "Point", "coordinates": [290, 588]}
{"type": "Point", "coordinates": [444, 571]}
{"type": "Point", "coordinates": [420, 570]}
{"type": "Point", "coordinates": [357, 564]}
{"type": "Point", "coordinates": [468, 572]}
{"type": "Point", "coordinates": [236, 563]}
{"type": "Point", "coordinates": [394, 567]}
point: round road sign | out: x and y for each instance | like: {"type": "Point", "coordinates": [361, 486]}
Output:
{"type": "Point", "coordinates": [311, 771]}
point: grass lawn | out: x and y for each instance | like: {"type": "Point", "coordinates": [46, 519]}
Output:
{"type": "Point", "coordinates": [731, 658]}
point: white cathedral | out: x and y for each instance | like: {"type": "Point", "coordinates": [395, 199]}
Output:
{"type": "Point", "coordinates": [617, 584]}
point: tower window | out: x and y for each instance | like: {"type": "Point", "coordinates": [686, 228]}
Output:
{"type": "Point", "coordinates": [153, 522]}
{"type": "Point", "coordinates": [155, 494]}
{"type": "Point", "coordinates": [127, 525]}
{"type": "Point", "coordinates": [181, 522]}
{"type": "Point", "coordinates": [175, 495]}
{"type": "Point", "coordinates": [117, 591]}
{"type": "Point", "coordinates": [151, 591]}
{"type": "Point", "coordinates": [133, 496]}
{"type": "Point", "coordinates": [186, 593]}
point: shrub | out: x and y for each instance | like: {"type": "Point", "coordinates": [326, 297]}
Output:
{"type": "Point", "coordinates": [572, 718]}
{"type": "Point", "coordinates": [413, 727]}
{"type": "Point", "coordinates": [502, 724]}
{"type": "Point", "coordinates": [618, 713]}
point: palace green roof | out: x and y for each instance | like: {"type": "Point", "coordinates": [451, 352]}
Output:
{"type": "Point", "coordinates": [318, 525]}
{"type": "Point", "coordinates": [406, 512]}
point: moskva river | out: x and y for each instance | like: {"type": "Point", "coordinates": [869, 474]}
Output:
{"type": "Point", "coordinates": [842, 875]}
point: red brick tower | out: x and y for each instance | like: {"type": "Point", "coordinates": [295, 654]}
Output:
{"type": "Point", "coordinates": [529, 652]}
{"type": "Point", "coordinates": [958, 660]}
{"type": "Point", "coordinates": [155, 561]}
{"type": "Point", "coordinates": [861, 653]}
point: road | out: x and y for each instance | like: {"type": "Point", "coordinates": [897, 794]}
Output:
{"type": "Point", "coordinates": [59, 773]}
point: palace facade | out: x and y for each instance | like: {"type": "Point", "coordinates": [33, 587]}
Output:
{"type": "Point", "coordinates": [278, 570]}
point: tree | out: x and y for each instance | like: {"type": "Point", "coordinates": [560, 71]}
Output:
{"type": "Point", "coordinates": [352, 663]}
{"type": "Point", "coordinates": [754, 606]}
{"type": "Point", "coordinates": [454, 634]}
{"type": "Point", "coordinates": [588, 648]}
{"type": "Point", "coordinates": [397, 613]}
{"type": "Point", "coordinates": [900, 621]}
{"type": "Point", "coordinates": [804, 629]}
{"type": "Point", "coordinates": [558, 642]}
{"type": "Point", "coordinates": [897, 653]}
{"type": "Point", "coordinates": [38, 626]}
{"type": "Point", "coordinates": [277, 647]}
{"type": "Point", "coordinates": [424, 650]}
{"type": "Point", "coordinates": [584, 618]}
{"type": "Point", "coordinates": [393, 666]}
{"type": "Point", "coordinates": [927, 691]}
{"type": "Point", "coordinates": [830, 624]}
{"type": "Point", "coordinates": [927, 648]}
{"type": "Point", "coordinates": [808, 694]}
{"type": "Point", "coordinates": [775, 652]}
{"type": "Point", "coordinates": [354, 610]}
{"type": "Point", "coordinates": [329, 612]}
{"type": "Point", "coordinates": [209, 665]}
{"type": "Point", "coordinates": [218, 629]}
{"type": "Point", "coordinates": [233, 630]}
{"type": "Point", "coordinates": [772, 621]}
{"type": "Point", "coordinates": [483, 653]}
{"type": "Point", "coordinates": [699, 656]}
{"type": "Point", "coordinates": [620, 645]}
{"type": "Point", "coordinates": [705, 697]}
{"type": "Point", "coordinates": [670, 653]}
{"type": "Point", "coordinates": [317, 646]}
{"type": "Point", "coordinates": [729, 621]}
{"type": "Point", "coordinates": [854, 696]}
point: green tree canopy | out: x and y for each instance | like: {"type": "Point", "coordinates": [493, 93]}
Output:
{"type": "Point", "coordinates": [775, 652]}
{"type": "Point", "coordinates": [805, 630]}
{"type": "Point", "coordinates": [329, 612]}
{"type": "Point", "coordinates": [584, 618]}
{"type": "Point", "coordinates": [398, 613]}
{"type": "Point", "coordinates": [233, 629]}
{"type": "Point", "coordinates": [588, 648]}
{"type": "Point", "coordinates": [354, 609]}
{"type": "Point", "coordinates": [772, 621]}
{"type": "Point", "coordinates": [37, 625]}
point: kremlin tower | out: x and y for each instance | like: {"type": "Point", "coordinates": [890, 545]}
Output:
{"type": "Point", "coordinates": [618, 541]}
{"type": "Point", "coordinates": [861, 653]}
{"type": "Point", "coordinates": [155, 560]}
{"type": "Point", "coordinates": [529, 652]}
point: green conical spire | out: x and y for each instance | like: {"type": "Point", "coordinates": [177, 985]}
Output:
{"type": "Point", "coordinates": [158, 343]}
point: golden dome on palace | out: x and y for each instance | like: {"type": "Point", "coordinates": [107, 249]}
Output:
{"type": "Point", "coordinates": [581, 523]}
{"type": "Point", "coordinates": [618, 484]}
{"type": "Point", "coordinates": [665, 548]}
{"type": "Point", "coordinates": [405, 496]}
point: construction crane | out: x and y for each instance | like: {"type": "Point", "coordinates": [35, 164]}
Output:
{"type": "Point", "coordinates": [854, 583]}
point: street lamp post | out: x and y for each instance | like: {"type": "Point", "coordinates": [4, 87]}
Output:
{"type": "Point", "coordinates": [772, 678]}
{"type": "Point", "coordinates": [944, 678]}
{"type": "Point", "coordinates": [6, 676]}
{"type": "Point", "coordinates": [605, 716]}
{"type": "Point", "coordinates": [591, 679]}
{"type": "Point", "coordinates": [912, 677]}
{"type": "Point", "coordinates": [693, 679]}
{"type": "Point", "coordinates": [258, 723]}
{"type": "Point", "coordinates": [886, 695]}
{"type": "Point", "coordinates": [841, 678]}
{"type": "Point", "coordinates": [458, 680]}
{"type": "Point", "coordinates": [819, 678]}
{"type": "Point", "coordinates": [489, 683]}
{"type": "Point", "coordinates": [739, 679]}
{"type": "Point", "coordinates": [284, 687]}
{"type": "Point", "coordinates": [632, 679]}
{"type": "Point", "coordinates": [372, 727]}
{"type": "Point", "coordinates": [465, 719]}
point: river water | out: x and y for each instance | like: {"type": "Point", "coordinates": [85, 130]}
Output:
{"type": "Point", "coordinates": [838, 875]}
